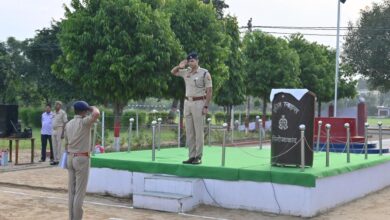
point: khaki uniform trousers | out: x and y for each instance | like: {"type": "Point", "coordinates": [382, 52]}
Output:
{"type": "Point", "coordinates": [78, 171]}
{"type": "Point", "coordinates": [57, 143]}
{"type": "Point", "coordinates": [194, 127]}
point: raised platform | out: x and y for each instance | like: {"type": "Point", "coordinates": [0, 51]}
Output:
{"type": "Point", "coordinates": [246, 182]}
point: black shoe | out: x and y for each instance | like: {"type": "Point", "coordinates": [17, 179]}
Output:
{"type": "Point", "coordinates": [54, 163]}
{"type": "Point", "coordinates": [41, 160]}
{"type": "Point", "coordinates": [198, 160]}
{"type": "Point", "coordinates": [189, 161]}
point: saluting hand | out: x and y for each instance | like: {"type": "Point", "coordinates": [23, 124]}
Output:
{"type": "Point", "coordinates": [183, 64]}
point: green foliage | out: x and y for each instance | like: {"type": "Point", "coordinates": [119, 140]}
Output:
{"type": "Point", "coordinates": [219, 6]}
{"type": "Point", "coordinates": [270, 63]}
{"type": "Point", "coordinates": [34, 117]}
{"type": "Point", "coordinates": [116, 49]}
{"type": "Point", "coordinates": [317, 67]}
{"type": "Point", "coordinates": [197, 28]}
{"type": "Point", "coordinates": [132, 114]}
{"type": "Point", "coordinates": [220, 117]}
{"type": "Point", "coordinates": [163, 115]}
{"type": "Point", "coordinates": [367, 47]}
{"type": "Point", "coordinates": [233, 90]}
{"type": "Point", "coordinates": [15, 81]}
{"type": "Point", "coordinates": [42, 51]}
{"type": "Point", "coordinates": [7, 75]}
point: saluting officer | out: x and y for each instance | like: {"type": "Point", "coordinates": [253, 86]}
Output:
{"type": "Point", "coordinates": [77, 136]}
{"type": "Point", "coordinates": [197, 98]}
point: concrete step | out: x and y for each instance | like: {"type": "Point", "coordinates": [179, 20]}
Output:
{"type": "Point", "coordinates": [171, 184]}
{"type": "Point", "coordinates": [168, 202]}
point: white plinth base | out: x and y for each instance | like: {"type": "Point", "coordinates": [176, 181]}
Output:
{"type": "Point", "coordinates": [259, 196]}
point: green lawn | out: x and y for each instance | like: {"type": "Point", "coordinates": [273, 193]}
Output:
{"type": "Point", "coordinates": [373, 121]}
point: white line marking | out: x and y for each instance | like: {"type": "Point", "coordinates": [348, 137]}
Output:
{"type": "Point", "coordinates": [102, 204]}
{"type": "Point", "coordinates": [64, 199]}
{"type": "Point", "coordinates": [201, 216]}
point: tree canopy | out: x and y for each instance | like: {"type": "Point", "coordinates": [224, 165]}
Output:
{"type": "Point", "coordinates": [270, 63]}
{"type": "Point", "coordinates": [197, 28]}
{"type": "Point", "coordinates": [367, 45]}
{"type": "Point", "coordinates": [116, 49]}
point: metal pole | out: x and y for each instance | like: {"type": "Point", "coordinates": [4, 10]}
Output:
{"type": "Point", "coordinates": [318, 136]}
{"type": "Point", "coordinates": [178, 129]}
{"type": "Point", "coordinates": [94, 138]}
{"type": "Point", "coordinates": [327, 126]}
{"type": "Point", "coordinates": [302, 129]}
{"type": "Point", "coordinates": [209, 133]}
{"type": "Point", "coordinates": [153, 140]}
{"type": "Point", "coordinates": [260, 135]}
{"type": "Point", "coordinates": [223, 144]}
{"type": "Point", "coordinates": [131, 120]}
{"type": "Point", "coordinates": [159, 120]}
{"type": "Point", "coordinates": [365, 140]}
{"type": "Point", "coordinates": [103, 120]}
{"type": "Point", "coordinates": [136, 123]}
{"type": "Point", "coordinates": [337, 59]}
{"type": "Point", "coordinates": [346, 125]}
{"type": "Point", "coordinates": [380, 137]}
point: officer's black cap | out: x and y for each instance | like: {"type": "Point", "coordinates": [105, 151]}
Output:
{"type": "Point", "coordinates": [192, 55]}
{"type": "Point", "coordinates": [81, 106]}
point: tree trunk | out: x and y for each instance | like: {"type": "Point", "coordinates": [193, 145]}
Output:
{"type": "Point", "coordinates": [228, 116]}
{"type": "Point", "coordinates": [118, 110]}
{"type": "Point", "coordinates": [264, 117]}
{"type": "Point", "coordinates": [319, 109]}
{"type": "Point", "coordinates": [247, 112]}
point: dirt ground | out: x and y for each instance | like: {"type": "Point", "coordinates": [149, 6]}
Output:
{"type": "Point", "coordinates": [39, 191]}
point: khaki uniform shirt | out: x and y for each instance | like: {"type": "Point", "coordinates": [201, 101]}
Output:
{"type": "Point", "coordinates": [196, 83]}
{"type": "Point", "coordinates": [59, 118]}
{"type": "Point", "coordinates": [77, 134]}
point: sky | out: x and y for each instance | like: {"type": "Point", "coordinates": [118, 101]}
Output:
{"type": "Point", "coordinates": [21, 18]}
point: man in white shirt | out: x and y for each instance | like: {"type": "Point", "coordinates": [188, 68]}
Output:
{"type": "Point", "coordinates": [46, 121]}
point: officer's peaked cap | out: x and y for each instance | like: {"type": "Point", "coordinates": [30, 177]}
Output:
{"type": "Point", "coordinates": [81, 106]}
{"type": "Point", "coordinates": [192, 55]}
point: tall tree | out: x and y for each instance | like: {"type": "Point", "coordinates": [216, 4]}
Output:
{"type": "Point", "coordinates": [24, 86]}
{"type": "Point", "coordinates": [269, 63]}
{"type": "Point", "coordinates": [116, 49]}
{"type": "Point", "coordinates": [233, 90]}
{"type": "Point", "coordinates": [317, 68]}
{"type": "Point", "coordinates": [7, 76]}
{"type": "Point", "coordinates": [43, 50]}
{"type": "Point", "coordinates": [367, 45]}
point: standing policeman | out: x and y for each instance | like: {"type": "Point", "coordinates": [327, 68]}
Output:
{"type": "Point", "coordinates": [198, 95]}
{"type": "Point", "coordinates": [78, 147]}
{"type": "Point", "coordinates": [58, 124]}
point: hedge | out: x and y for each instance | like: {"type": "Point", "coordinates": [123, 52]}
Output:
{"type": "Point", "coordinates": [220, 117]}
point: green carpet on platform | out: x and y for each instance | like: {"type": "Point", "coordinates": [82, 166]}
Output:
{"type": "Point", "coordinates": [242, 163]}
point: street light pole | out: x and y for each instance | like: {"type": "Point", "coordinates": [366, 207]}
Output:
{"type": "Point", "coordinates": [336, 79]}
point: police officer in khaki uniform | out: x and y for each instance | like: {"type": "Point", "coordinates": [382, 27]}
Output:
{"type": "Point", "coordinates": [78, 147]}
{"type": "Point", "coordinates": [58, 124]}
{"type": "Point", "coordinates": [197, 98]}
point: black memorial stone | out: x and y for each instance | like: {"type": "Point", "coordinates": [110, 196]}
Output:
{"type": "Point", "coordinates": [287, 114]}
